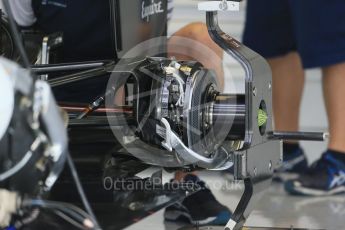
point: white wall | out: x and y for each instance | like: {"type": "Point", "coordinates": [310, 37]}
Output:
{"type": "Point", "coordinates": [313, 116]}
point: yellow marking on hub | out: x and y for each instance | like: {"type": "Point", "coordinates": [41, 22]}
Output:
{"type": "Point", "coordinates": [262, 117]}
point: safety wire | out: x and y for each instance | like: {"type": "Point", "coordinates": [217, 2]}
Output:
{"type": "Point", "coordinates": [65, 211]}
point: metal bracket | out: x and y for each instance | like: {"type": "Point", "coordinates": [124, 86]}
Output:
{"type": "Point", "coordinates": [256, 167]}
{"type": "Point", "coordinates": [49, 42]}
{"type": "Point", "coordinates": [252, 193]}
{"type": "Point", "coordinates": [260, 155]}
{"type": "Point", "coordinates": [219, 6]}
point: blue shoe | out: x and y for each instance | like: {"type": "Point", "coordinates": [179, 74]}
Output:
{"type": "Point", "coordinates": [294, 163]}
{"type": "Point", "coordinates": [325, 177]}
{"type": "Point", "coordinates": [200, 209]}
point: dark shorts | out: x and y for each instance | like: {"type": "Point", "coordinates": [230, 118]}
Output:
{"type": "Point", "coordinates": [314, 28]}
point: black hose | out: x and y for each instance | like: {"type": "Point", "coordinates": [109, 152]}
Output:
{"type": "Point", "coordinates": [81, 190]}
{"type": "Point", "coordinates": [73, 212]}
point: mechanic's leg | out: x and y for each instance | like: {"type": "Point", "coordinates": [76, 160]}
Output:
{"type": "Point", "coordinates": [288, 84]}
{"type": "Point", "coordinates": [334, 93]}
{"type": "Point", "coordinates": [326, 177]}
{"type": "Point", "coordinates": [198, 32]}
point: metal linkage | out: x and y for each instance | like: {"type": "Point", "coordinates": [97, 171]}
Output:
{"type": "Point", "coordinates": [56, 68]}
{"type": "Point", "coordinates": [299, 136]}
{"type": "Point", "coordinates": [81, 76]}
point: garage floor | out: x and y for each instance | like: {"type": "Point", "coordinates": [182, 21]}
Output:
{"type": "Point", "coordinates": [276, 208]}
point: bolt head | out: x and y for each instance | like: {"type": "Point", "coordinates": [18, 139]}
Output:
{"type": "Point", "coordinates": [223, 5]}
{"type": "Point", "coordinates": [255, 91]}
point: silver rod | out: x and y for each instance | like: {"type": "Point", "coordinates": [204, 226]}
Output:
{"type": "Point", "coordinates": [298, 136]}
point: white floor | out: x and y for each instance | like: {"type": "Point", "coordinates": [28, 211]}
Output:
{"type": "Point", "coordinates": [275, 209]}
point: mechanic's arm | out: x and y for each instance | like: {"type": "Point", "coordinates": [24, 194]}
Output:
{"type": "Point", "coordinates": [22, 12]}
